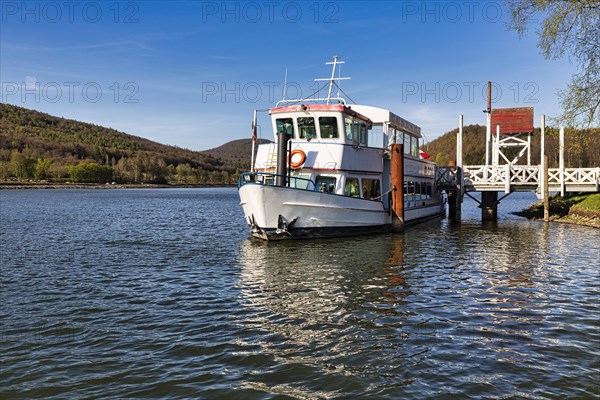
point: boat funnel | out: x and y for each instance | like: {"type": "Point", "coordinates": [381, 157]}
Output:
{"type": "Point", "coordinates": [282, 141]}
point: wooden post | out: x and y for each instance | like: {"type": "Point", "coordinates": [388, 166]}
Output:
{"type": "Point", "coordinates": [561, 161]}
{"type": "Point", "coordinates": [529, 149]}
{"type": "Point", "coordinates": [546, 192]}
{"type": "Point", "coordinates": [543, 160]}
{"type": "Point", "coordinates": [397, 183]}
{"type": "Point", "coordinates": [459, 142]}
{"type": "Point", "coordinates": [489, 206]}
{"type": "Point", "coordinates": [454, 195]}
{"type": "Point", "coordinates": [488, 131]}
{"type": "Point", "coordinates": [459, 173]}
{"type": "Point", "coordinates": [508, 178]}
{"type": "Point", "coordinates": [496, 151]}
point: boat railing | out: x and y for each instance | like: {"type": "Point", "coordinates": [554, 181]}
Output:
{"type": "Point", "coordinates": [334, 100]}
{"type": "Point", "coordinates": [267, 179]}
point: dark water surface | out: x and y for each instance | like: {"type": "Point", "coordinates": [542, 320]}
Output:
{"type": "Point", "coordinates": [160, 294]}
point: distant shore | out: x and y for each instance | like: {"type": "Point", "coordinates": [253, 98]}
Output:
{"type": "Point", "coordinates": [577, 208]}
{"type": "Point", "coordinates": [54, 185]}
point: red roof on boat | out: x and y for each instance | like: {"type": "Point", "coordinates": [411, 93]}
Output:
{"type": "Point", "coordinates": [318, 107]}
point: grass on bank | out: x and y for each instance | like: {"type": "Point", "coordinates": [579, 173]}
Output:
{"type": "Point", "coordinates": [582, 208]}
{"type": "Point", "coordinates": [588, 207]}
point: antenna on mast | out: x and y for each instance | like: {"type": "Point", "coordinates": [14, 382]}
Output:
{"type": "Point", "coordinates": [285, 85]}
{"type": "Point", "coordinates": [339, 86]}
{"type": "Point", "coordinates": [332, 80]}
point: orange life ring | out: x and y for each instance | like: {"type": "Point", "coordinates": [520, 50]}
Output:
{"type": "Point", "coordinates": [297, 158]}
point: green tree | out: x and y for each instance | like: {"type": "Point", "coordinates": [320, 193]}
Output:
{"type": "Point", "coordinates": [568, 28]}
{"type": "Point", "coordinates": [42, 168]}
{"type": "Point", "coordinates": [183, 173]}
{"type": "Point", "coordinates": [5, 170]}
{"type": "Point", "coordinates": [90, 172]}
{"type": "Point", "coordinates": [23, 167]}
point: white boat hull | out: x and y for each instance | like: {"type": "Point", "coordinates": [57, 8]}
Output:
{"type": "Point", "coordinates": [275, 212]}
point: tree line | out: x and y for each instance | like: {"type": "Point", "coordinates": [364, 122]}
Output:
{"type": "Point", "coordinates": [38, 146]}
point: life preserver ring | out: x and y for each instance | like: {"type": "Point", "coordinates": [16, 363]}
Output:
{"type": "Point", "coordinates": [297, 158]}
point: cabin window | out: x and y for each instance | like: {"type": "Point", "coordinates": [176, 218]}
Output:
{"type": "Point", "coordinates": [285, 125]}
{"type": "Point", "coordinates": [348, 121]}
{"type": "Point", "coordinates": [351, 187]}
{"type": "Point", "coordinates": [409, 191]}
{"type": "Point", "coordinates": [307, 128]}
{"type": "Point", "coordinates": [363, 134]}
{"type": "Point", "coordinates": [415, 147]}
{"type": "Point", "coordinates": [376, 137]}
{"type": "Point", "coordinates": [325, 184]}
{"type": "Point", "coordinates": [302, 182]}
{"type": "Point", "coordinates": [353, 130]}
{"type": "Point", "coordinates": [407, 143]}
{"type": "Point", "coordinates": [329, 128]}
{"type": "Point", "coordinates": [399, 137]}
{"type": "Point", "coordinates": [371, 189]}
{"type": "Point", "coordinates": [355, 133]}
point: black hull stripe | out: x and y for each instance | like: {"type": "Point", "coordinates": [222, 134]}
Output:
{"type": "Point", "coordinates": [331, 232]}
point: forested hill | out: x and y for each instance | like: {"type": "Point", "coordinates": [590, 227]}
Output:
{"type": "Point", "coordinates": [582, 147]}
{"type": "Point", "coordinates": [38, 146]}
{"type": "Point", "coordinates": [34, 145]}
{"type": "Point", "coordinates": [236, 152]}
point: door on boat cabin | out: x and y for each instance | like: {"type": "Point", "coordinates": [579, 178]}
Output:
{"type": "Point", "coordinates": [386, 176]}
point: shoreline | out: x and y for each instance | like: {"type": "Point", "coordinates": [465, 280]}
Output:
{"type": "Point", "coordinates": [73, 186]}
{"type": "Point", "coordinates": [572, 209]}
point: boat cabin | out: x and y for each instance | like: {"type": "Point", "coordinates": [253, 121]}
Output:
{"type": "Point", "coordinates": [334, 123]}
{"type": "Point", "coordinates": [337, 149]}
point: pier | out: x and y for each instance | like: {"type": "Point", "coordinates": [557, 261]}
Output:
{"type": "Point", "coordinates": [502, 175]}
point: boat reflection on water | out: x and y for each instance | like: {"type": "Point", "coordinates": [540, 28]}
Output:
{"type": "Point", "coordinates": [441, 306]}
{"type": "Point", "coordinates": [320, 280]}
{"type": "Point", "coordinates": [335, 307]}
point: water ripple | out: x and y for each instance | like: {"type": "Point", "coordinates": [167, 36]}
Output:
{"type": "Point", "coordinates": [159, 293]}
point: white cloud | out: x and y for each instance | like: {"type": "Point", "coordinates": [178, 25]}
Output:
{"type": "Point", "coordinates": [31, 83]}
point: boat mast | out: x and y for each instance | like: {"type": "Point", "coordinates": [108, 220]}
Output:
{"type": "Point", "coordinates": [332, 80]}
{"type": "Point", "coordinates": [254, 137]}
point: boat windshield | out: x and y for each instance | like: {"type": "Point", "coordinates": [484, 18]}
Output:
{"type": "Point", "coordinates": [306, 126]}
{"type": "Point", "coordinates": [329, 128]}
{"type": "Point", "coordinates": [285, 125]}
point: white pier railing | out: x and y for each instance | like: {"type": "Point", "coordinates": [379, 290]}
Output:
{"type": "Point", "coordinates": [509, 178]}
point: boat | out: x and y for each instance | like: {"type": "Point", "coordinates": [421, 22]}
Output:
{"type": "Point", "coordinates": [336, 169]}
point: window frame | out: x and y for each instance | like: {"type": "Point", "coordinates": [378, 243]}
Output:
{"type": "Point", "coordinates": [346, 185]}
{"type": "Point", "coordinates": [300, 129]}
{"type": "Point", "coordinates": [377, 186]}
{"type": "Point", "coordinates": [335, 126]}
{"type": "Point", "coordinates": [293, 133]}
{"type": "Point", "coordinates": [320, 179]}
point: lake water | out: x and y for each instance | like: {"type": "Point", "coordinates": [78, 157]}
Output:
{"type": "Point", "coordinates": [161, 294]}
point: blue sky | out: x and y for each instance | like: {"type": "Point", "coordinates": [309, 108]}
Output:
{"type": "Point", "coordinates": [190, 73]}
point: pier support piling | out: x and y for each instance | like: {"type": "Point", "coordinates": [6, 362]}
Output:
{"type": "Point", "coordinates": [489, 206]}
{"type": "Point", "coordinates": [545, 191]}
{"type": "Point", "coordinates": [454, 206]}
{"type": "Point", "coordinates": [397, 178]}
{"type": "Point", "coordinates": [454, 195]}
